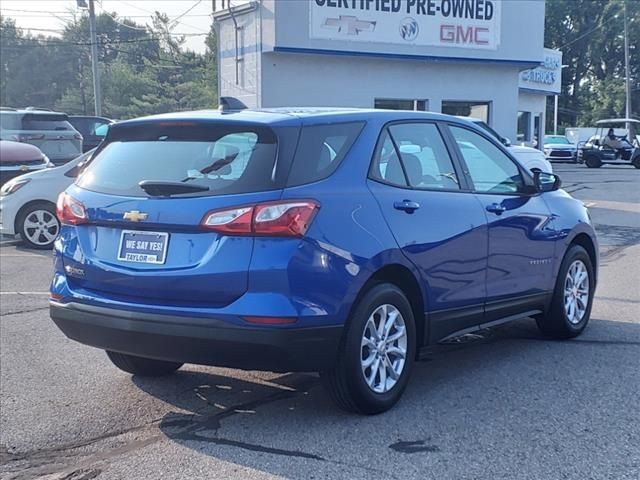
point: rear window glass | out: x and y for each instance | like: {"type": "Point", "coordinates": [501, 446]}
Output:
{"type": "Point", "coordinates": [46, 122]}
{"type": "Point", "coordinates": [225, 160]}
{"type": "Point", "coordinates": [10, 121]}
{"type": "Point", "coordinates": [320, 150]}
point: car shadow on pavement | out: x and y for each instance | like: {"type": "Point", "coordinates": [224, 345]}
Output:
{"type": "Point", "coordinates": [487, 394]}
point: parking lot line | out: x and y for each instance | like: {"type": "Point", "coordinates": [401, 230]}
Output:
{"type": "Point", "coordinates": [24, 293]}
{"type": "Point", "coordinates": [611, 205]}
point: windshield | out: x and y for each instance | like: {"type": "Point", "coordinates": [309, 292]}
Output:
{"type": "Point", "coordinates": [219, 159]}
{"type": "Point", "coordinates": [557, 140]}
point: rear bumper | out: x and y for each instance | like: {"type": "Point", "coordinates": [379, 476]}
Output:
{"type": "Point", "coordinates": [204, 341]}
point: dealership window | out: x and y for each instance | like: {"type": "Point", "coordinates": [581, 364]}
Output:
{"type": "Point", "coordinates": [399, 104]}
{"type": "Point", "coordinates": [524, 134]}
{"type": "Point", "coordinates": [479, 110]}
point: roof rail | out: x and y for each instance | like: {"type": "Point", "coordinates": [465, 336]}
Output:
{"type": "Point", "coordinates": [230, 104]}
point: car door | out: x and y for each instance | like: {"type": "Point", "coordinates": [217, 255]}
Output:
{"type": "Point", "coordinates": [437, 222]}
{"type": "Point", "coordinates": [520, 226]}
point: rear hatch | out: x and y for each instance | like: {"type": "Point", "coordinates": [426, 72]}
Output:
{"type": "Point", "coordinates": [53, 134]}
{"type": "Point", "coordinates": [146, 244]}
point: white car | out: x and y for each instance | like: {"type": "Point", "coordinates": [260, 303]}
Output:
{"type": "Point", "coordinates": [530, 158]}
{"type": "Point", "coordinates": [28, 203]}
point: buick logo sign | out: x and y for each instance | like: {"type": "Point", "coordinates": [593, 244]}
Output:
{"type": "Point", "coordinates": [409, 29]}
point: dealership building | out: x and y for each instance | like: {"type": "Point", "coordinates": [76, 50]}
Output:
{"type": "Point", "coordinates": [479, 58]}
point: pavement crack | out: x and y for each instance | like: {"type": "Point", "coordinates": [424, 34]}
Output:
{"type": "Point", "coordinates": [26, 310]}
{"type": "Point", "coordinates": [417, 446]}
{"type": "Point", "coordinates": [258, 448]}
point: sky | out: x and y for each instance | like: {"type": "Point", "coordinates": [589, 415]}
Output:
{"type": "Point", "coordinates": [53, 14]}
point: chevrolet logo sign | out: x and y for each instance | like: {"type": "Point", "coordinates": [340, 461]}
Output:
{"type": "Point", "coordinates": [135, 216]}
{"type": "Point", "coordinates": [349, 25]}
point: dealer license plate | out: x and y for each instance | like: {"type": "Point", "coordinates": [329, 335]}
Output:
{"type": "Point", "coordinates": [143, 247]}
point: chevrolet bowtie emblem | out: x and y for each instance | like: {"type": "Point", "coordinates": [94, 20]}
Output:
{"type": "Point", "coordinates": [349, 25]}
{"type": "Point", "coordinates": [135, 216]}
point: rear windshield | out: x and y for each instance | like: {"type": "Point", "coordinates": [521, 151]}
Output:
{"type": "Point", "coordinates": [227, 160]}
{"type": "Point", "coordinates": [41, 122]}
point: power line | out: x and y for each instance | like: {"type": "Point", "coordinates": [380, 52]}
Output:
{"type": "Point", "coordinates": [71, 14]}
{"type": "Point", "coordinates": [115, 19]}
{"type": "Point", "coordinates": [187, 11]}
{"type": "Point", "coordinates": [597, 27]}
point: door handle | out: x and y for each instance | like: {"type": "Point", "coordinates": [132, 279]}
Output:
{"type": "Point", "coordinates": [496, 208]}
{"type": "Point", "coordinates": [406, 205]}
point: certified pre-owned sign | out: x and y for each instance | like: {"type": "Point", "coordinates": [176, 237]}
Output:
{"type": "Point", "coordinates": [444, 23]}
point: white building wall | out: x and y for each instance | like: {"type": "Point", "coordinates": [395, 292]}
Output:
{"type": "Point", "coordinates": [246, 85]}
{"type": "Point", "coordinates": [535, 104]}
{"type": "Point", "coordinates": [326, 80]}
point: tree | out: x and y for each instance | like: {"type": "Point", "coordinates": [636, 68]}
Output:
{"type": "Point", "coordinates": [144, 69]}
{"type": "Point", "coordinates": [589, 33]}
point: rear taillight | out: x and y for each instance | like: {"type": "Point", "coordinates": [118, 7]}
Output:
{"type": "Point", "coordinates": [278, 219]}
{"type": "Point", "coordinates": [27, 137]}
{"type": "Point", "coordinates": [70, 211]}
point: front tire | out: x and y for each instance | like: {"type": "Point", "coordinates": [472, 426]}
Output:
{"type": "Point", "coordinates": [377, 354]}
{"type": "Point", "coordinates": [592, 161]}
{"type": "Point", "coordinates": [38, 225]}
{"type": "Point", "coordinates": [144, 367]}
{"type": "Point", "coordinates": [570, 308]}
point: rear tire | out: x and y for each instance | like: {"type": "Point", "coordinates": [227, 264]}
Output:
{"type": "Point", "coordinates": [570, 308]}
{"type": "Point", "coordinates": [374, 365]}
{"type": "Point", "coordinates": [636, 161]}
{"type": "Point", "coordinates": [592, 161]}
{"type": "Point", "coordinates": [145, 367]}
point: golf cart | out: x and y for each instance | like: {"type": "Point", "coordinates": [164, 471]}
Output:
{"type": "Point", "coordinates": [608, 146]}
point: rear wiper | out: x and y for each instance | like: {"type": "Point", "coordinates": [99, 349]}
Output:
{"type": "Point", "coordinates": [166, 189]}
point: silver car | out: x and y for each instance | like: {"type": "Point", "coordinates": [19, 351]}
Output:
{"type": "Point", "coordinates": [50, 131]}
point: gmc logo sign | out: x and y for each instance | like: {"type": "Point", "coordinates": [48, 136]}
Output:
{"type": "Point", "coordinates": [464, 35]}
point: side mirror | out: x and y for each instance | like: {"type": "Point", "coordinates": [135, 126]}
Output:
{"type": "Point", "coordinates": [546, 182]}
{"type": "Point", "coordinates": [506, 142]}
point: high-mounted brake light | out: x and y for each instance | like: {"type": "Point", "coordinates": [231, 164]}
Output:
{"type": "Point", "coordinates": [70, 211]}
{"type": "Point", "coordinates": [276, 219]}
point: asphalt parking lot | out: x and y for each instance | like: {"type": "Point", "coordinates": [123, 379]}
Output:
{"type": "Point", "coordinates": [505, 404]}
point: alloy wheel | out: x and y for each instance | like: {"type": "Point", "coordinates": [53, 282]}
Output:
{"type": "Point", "coordinates": [383, 348]}
{"type": "Point", "coordinates": [41, 227]}
{"type": "Point", "coordinates": [576, 292]}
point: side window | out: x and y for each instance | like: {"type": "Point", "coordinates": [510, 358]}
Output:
{"type": "Point", "coordinates": [425, 157]}
{"type": "Point", "coordinates": [101, 130]}
{"type": "Point", "coordinates": [320, 150]}
{"type": "Point", "coordinates": [491, 171]}
{"type": "Point", "coordinates": [386, 164]}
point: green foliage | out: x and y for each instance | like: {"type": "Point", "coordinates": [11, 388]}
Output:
{"type": "Point", "coordinates": [143, 69]}
{"type": "Point", "coordinates": [590, 34]}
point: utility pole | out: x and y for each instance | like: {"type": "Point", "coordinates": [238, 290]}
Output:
{"type": "Point", "coordinates": [626, 68]}
{"type": "Point", "coordinates": [555, 114]}
{"type": "Point", "coordinates": [97, 92]}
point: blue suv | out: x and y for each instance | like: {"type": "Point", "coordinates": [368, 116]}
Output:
{"type": "Point", "coordinates": [331, 240]}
